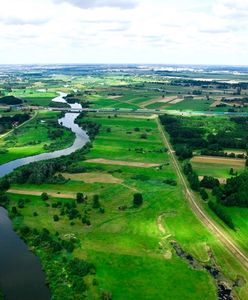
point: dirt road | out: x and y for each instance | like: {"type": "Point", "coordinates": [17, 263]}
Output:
{"type": "Point", "coordinates": [223, 237]}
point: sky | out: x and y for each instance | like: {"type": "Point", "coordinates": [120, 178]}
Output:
{"type": "Point", "coordinates": [124, 31]}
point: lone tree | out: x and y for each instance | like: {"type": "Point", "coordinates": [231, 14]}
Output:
{"type": "Point", "coordinates": [96, 202]}
{"type": "Point", "coordinates": [44, 196]}
{"type": "Point", "coordinates": [56, 218]}
{"type": "Point", "coordinates": [137, 200]}
{"type": "Point", "coordinates": [80, 198]}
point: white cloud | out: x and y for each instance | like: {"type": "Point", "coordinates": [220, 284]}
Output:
{"type": "Point", "coordinates": [124, 4]}
{"type": "Point", "coordinates": [161, 31]}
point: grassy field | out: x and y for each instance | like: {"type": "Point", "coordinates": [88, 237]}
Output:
{"type": "Point", "coordinates": [35, 97]}
{"type": "Point", "coordinates": [239, 218]}
{"type": "Point", "coordinates": [131, 247]}
{"type": "Point", "coordinates": [215, 170]}
{"type": "Point", "coordinates": [33, 138]}
{"type": "Point", "coordinates": [121, 138]}
{"type": "Point", "coordinates": [191, 105]}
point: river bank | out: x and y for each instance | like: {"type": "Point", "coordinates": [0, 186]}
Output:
{"type": "Point", "coordinates": [21, 275]}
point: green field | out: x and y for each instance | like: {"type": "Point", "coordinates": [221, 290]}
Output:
{"type": "Point", "coordinates": [191, 105]}
{"type": "Point", "coordinates": [35, 97]}
{"type": "Point", "coordinates": [130, 247]}
{"type": "Point", "coordinates": [33, 138]}
{"type": "Point", "coordinates": [215, 170]}
{"type": "Point", "coordinates": [125, 142]}
{"type": "Point", "coordinates": [133, 258]}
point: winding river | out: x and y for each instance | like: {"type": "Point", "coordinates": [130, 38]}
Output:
{"type": "Point", "coordinates": [21, 275]}
{"type": "Point", "coordinates": [68, 122]}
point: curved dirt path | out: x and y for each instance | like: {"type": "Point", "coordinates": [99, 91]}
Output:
{"type": "Point", "coordinates": [167, 253]}
{"type": "Point", "coordinates": [223, 237]}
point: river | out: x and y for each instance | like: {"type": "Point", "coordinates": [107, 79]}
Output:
{"type": "Point", "coordinates": [67, 121]}
{"type": "Point", "coordinates": [21, 275]}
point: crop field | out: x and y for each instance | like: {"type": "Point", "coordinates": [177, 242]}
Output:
{"type": "Point", "coordinates": [131, 248]}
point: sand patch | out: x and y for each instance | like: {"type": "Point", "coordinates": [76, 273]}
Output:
{"type": "Point", "coordinates": [121, 163]}
{"type": "Point", "coordinates": [158, 100]}
{"type": "Point", "coordinates": [114, 97]}
{"type": "Point", "coordinates": [38, 193]}
{"type": "Point", "coordinates": [93, 177]}
{"type": "Point", "coordinates": [215, 103]}
{"type": "Point", "coordinates": [219, 160]}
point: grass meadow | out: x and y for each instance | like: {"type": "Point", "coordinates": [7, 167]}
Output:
{"type": "Point", "coordinates": [132, 254]}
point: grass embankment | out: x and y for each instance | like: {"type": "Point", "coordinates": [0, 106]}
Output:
{"type": "Point", "coordinates": [42, 134]}
{"type": "Point", "coordinates": [133, 257]}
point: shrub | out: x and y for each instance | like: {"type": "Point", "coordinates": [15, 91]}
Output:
{"type": "Point", "coordinates": [203, 194]}
{"type": "Point", "coordinates": [137, 200]}
{"type": "Point", "coordinates": [96, 202]}
{"type": "Point", "coordinates": [44, 196]}
{"type": "Point", "coordinates": [56, 218]}
{"type": "Point", "coordinates": [80, 198]}
{"type": "Point", "coordinates": [218, 210]}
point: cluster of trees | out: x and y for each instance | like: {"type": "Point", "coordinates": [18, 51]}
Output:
{"type": "Point", "coordinates": [186, 137]}
{"type": "Point", "coordinates": [10, 100]}
{"type": "Point", "coordinates": [38, 173]}
{"type": "Point", "coordinates": [235, 191]}
{"type": "Point", "coordinates": [222, 154]}
{"type": "Point", "coordinates": [191, 176]}
{"type": "Point", "coordinates": [45, 171]}
{"type": "Point", "coordinates": [72, 210]}
{"type": "Point", "coordinates": [180, 134]}
{"type": "Point", "coordinates": [78, 98]}
{"type": "Point", "coordinates": [212, 183]}
{"type": "Point", "coordinates": [55, 250]}
{"type": "Point", "coordinates": [7, 122]}
{"type": "Point", "coordinates": [4, 200]}
{"type": "Point", "coordinates": [209, 182]}
{"type": "Point", "coordinates": [183, 151]}
{"type": "Point", "coordinates": [219, 211]}
{"type": "Point", "coordinates": [54, 134]}
{"type": "Point", "coordinates": [91, 128]}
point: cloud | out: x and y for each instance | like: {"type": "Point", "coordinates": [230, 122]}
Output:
{"type": "Point", "coordinates": [15, 20]}
{"type": "Point", "coordinates": [162, 31]}
{"type": "Point", "coordinates": [85, 4]}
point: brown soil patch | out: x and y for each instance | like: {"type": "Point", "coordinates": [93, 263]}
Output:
{"type": "Point", "coordinates": [37, 193]}
{"type": "Point", "coordinates": [121, 163]}
{"type": "Point", "coordinates": [114, 97]}
{"type": "Point", "coordinates": [219, 160]}
{"type": "Point", "coordinates": [178, 100]}
{"type": "Point", "coordinates": [160, 100]}
{"type": "Point", "coordinates": [93, 177]}
{"type": "Point", "coordinates": [215, 103]}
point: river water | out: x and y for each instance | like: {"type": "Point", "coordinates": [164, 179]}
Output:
{"type": "Point", "coordinates": [68, 122]}
{"type": "Point", "coordinates": [21, 275]}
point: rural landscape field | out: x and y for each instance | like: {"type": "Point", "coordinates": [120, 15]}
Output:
{"type": "Point", "coordinates": [123, 150]}
{"type": "Point", "coordinates": [150, 203]}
